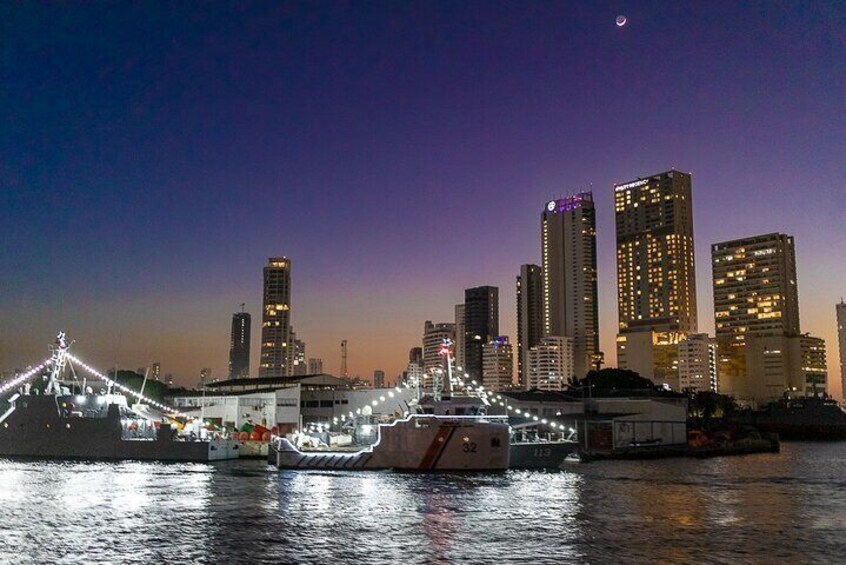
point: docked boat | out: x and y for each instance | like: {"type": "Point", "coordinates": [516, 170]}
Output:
{"type": "Point", "coordinates": [532, 449]}
{"type": "Point", "coordinates": [440, 432]}
{"type": "Point", "coordinates": [57, 424]}
{"type": "Point", "coordinates": [804, 418]}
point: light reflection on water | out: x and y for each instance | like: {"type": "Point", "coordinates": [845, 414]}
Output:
{"type": "Point", "coordinates": [788, 507]}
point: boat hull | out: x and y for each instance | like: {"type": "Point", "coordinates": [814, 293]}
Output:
{"type": "Point", "coordinates": [541, 454]}
{"type": "Point", "coordinates": [414, 444]}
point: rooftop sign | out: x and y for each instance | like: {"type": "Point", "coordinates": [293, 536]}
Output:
{"type": "Point", "coordinates": [633, 184]}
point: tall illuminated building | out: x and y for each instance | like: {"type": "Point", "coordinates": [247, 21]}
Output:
{"type": "Point", "coordinates": [239, 345]}
{"type": "Point", "coordinates": [497, 364]}
{"type": "Point", "coordinates": [756, 313]}
{"type": "Point", "coordinates": [570, 298]}
{"type": "Point", "coordinates": [276, 319]}
{"type": "Point", "coordinates": [459, 335]}
{"type": "Point", "coordinates": [656, 282]}
{"type": "Point", "coordinates": [481, 325]}
{"type": "Point", "coordinates": [433, 337]}
{"type": "Point", "coordinates": [841, 340]}
{"type": "Point", "coordinates": [529, 318]}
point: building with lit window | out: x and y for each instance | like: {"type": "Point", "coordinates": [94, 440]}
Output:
{"type": "Point", "coordinates": [656, 278]}
{"type": "Point", "coordinates": [841, 341]}
{"type": "Point", "coordinates": [433, 338]}
{"type": "Point", "coordinates": [239, 346]}
{"type": "Point", "coordinates": [697, 364]}
{"type": "Point", "coordinates": [762, 354]}
{"type": "Point", "coordinates": [497, 364]}
{"type": "Point", "coordinates": [570, 298]}
{"type": "Point", "coordinates": [755, 296]}
{"type": "Point", "coordinates": [459, 335]}
{"type": "Point", "coordinates": [481, 325]}
{"type": "Point", "coordinates": [275, 358]}
{"type": "Point", "coordinates": [529, 318]}
{"type": "Point", "coordinates": [299, 366]}
{"type": "Point", "coordinates": [551, 363]}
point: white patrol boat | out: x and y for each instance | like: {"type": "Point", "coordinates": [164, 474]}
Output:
{"type": "Point", "coordinates": [441, 432]}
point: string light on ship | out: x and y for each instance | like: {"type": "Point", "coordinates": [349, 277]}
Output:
{"type": "Point", "coordinates": [502, 401]}
{"type": "Point", "coordinates": [146, 400]}
{"type": "Point", "coordinates": [22, 378]}
{"type": "Point", "coordinates": [318, 426]}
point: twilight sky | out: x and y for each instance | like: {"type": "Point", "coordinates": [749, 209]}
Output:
{"type": "Point", "coordinates": [152, 158]}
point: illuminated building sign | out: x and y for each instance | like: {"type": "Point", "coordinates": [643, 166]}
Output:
{"type": "Point", "coordinates": [633, 184]}
{"type": "Point", "coordinates": [760, 252]}
{"type": "Point", "coordinates": [568, 203]}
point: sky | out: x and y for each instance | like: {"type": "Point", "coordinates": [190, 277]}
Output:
{"type": "Point", "coordinates": [154, 155]}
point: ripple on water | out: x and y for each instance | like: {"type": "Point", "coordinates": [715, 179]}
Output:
{"type": "Point", "coordinates": [788, 507]}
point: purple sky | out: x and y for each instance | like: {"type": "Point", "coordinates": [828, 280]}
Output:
{"type": "Point", "coordinates": [152, 159]}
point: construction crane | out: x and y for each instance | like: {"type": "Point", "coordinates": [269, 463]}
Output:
{"type": "Point", "coordinates": [344, 373]}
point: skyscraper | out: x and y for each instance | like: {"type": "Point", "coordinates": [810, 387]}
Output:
{"type": "Point", "coordinates": [841, 340]}
{"type": "Point", "coordinates": [755, 297]}
{"type": "Point", "coordinates": [529, 318]}
{"type": "Point", "coordinates": [239, 345]}
{"type": "Point", "coordinates": [481, 325]}
{"type": "Point", "coordinates": [762, 353]}
{"type": "Point", "coordinates": [497, 364]}
{"type": "Point", "coordinates": [276, 319]}
{"type": "Point", "coordinates": [755, 290]}
{"type": "Point", "coordinates": [298, 357]}
{"type": "Point", "coordinates": [433, 337]}
{"type": "Point", "coordinates": [656, 284]}
{"type": "Point", "coordinates": [570, 300]}
{"type": "Point", "coordinates": [459, 335]}
{"type": "Point", "coordinates": [551, 363]}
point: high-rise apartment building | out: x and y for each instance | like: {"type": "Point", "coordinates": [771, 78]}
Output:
{"type": "Point", "coordinates": [433, 338]}
{"type": "Point", "coordinates": [239, 345]}
{"type": "Point", "coordinates": [276, 319]}
{"type": "Point", "coordinates": [755, 290]}
{"type": "Point", "coordinates": [481, 325]}
{"type": "Point", "coordinates": [656, 283]}
{"type": "Point", "coordinates": [570, 297]}
{"type": "Point", "coordinates": [841, 341]}
{"type": "Point", "coordinates": [529, 318]}
{"type": "Point", "coordinates": [697, 364]}
{"type": "Point", "coordinates": [497, 364]}
{"type": "Point", "coordinates": [755, 296]}
{"type": "Point", "coordinates": [156, 372]}
{"type": "Point", "coordinates": [551, 363]}
{"type": "Point", "coordinates": [459, 335]}
{"type": "Point", "coordinates": [298, 357]}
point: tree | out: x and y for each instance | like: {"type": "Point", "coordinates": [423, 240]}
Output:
{"type": "Point", "coordinates": [614, 379]}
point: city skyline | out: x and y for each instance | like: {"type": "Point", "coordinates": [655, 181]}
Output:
{"type": "Point", "coordinates": [148, 271]}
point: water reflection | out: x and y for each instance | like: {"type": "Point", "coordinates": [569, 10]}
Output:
{"type": "Point", "coordinates": [785, 507]}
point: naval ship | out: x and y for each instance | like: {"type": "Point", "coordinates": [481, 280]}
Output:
{"type": "Point", "coordinates": [56, 424]}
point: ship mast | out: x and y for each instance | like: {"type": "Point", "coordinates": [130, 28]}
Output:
{"type": "Point", "coordinates": [58, 362]}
